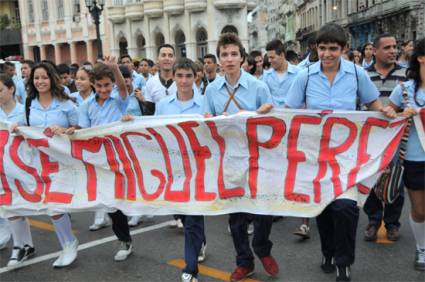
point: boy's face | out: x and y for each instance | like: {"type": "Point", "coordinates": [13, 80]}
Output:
{"type": "Point", "coordinates": [230, 58]}
{"type": "Point", "coordinates": [25, 70]}
{"type": "Point", "coordinates": [65, 78]}
{"type": "Point", "coordinates": [259, 63]}
{"type": "Point", "coordinates": [209, 65]}
{"type": "Point", "coordinates": [329, 54]}
{"type": "Point", "coordinates": [166, 59]}
{"type": "Point", "coordinates": [386, 52]}
{"type": "Point", "coordinates": [103, 87]}
{"type": "Point", "coordinates": [144, 67]}
{"type": "Point", "coordinates": [184, 79]}
{"type": "Point", "coordinates": [126, 61]}
{"type": "Point", "coordinates": [276, 60]}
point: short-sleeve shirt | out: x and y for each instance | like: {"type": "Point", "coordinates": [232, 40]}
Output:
{"type": "Point", "coordinates": [138, 80]}
{"type": "Point", "coordinates": [173, 106]}
{"type": "Point", "coordinates": [60, 113]}
{"type": "Point", "coordinates": [279, 86]}
{"type": "Point", "coordinates": [15, 116]}
{"type": "Point", "coordinates": [318, 93]}
{"type": "Point", "coordinates": [20, 88]}
{"type": "Point", "coordinates": [79, 99]}
{"type": "Point", "coordinates": [92, 114]}
{"type": "Point", "coordinates": [155, 90]}
{"type": "Point", "coordinates": [133, 107]}
{"type": "Point", "coordinates": [251, 94]}
{"type": "Point", "coordinates": [414, 150]}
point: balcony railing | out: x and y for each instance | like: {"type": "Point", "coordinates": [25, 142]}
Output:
{"type": "Point", "coordinates": [116, 14]}
{"type": "Point", "coordinates": [195, 5]}
{"type": "Point", "coordinates": [153, 8]}
{"type": "Point", "coordinates": [134, 11]}
{"type": "Point", "coordinates": [229, 4]}
{"type": "Point", "coordinates": [174, 7]}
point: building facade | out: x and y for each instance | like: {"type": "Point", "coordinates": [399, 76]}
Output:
{"type": "Point", "coordinates": [192, 26]}
{"type": "Point", "coordinates": [10, 30]}
{"type": "Point", "coordinates": [61, 31]}
{"type": "Point", "coordinates": [256, 27]}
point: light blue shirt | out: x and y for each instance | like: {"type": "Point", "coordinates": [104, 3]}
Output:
{"type": "Point", "coordinates": [279, 86]}
{"type": "Point", "coordinates": [341, 95]}
{"type": "Point", "coordinates": [251, 94]}
{"type": "Point", "coordinates": [61, 113]}
{"type": "Point", "coordinates": [138, 80]}
{"type": "Point", "coordinates": [414, 151]}
{"type": "Point", "coordinates": [19, 88]}
{"type": "Point", "coordinates": [304, 63]}
{"type": "Point", "coordinates": [90, 113]}
{"type": "Point", "coordinates": [170, 105]}
{"type": "Point", "coordinates": [79, 99]}
{"type": "Point", "coordinates": [16, 115]}
{"type": "Point", "coordinates": [133, 107]}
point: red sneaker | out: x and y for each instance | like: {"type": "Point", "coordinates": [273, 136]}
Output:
{"type": "Point", "coordinates": [270, 265]}
{"type": "Point", "coordinates": [240, 273]}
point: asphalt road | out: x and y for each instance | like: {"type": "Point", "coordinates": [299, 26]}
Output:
{"type": "Point", "coordinates": [158, 254]}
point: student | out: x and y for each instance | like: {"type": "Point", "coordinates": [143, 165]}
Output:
{"type": "Point", "coordinates": [210, 67]}
{"type": "Point", "coordinates": [292, 57]}
{"type": "Point", "coordinates": [249, 65]}
{"type": "Point", "coordinates": [46, 106]}
{"type": "Point", "coordinates": [102, 108]}
{"type": "Point", "coordinates": [65, 76]}
{"type": "Point", "coordinates": [331, 84]}
{"type": "Point", "coordinates": [26, 66]}
{"type": "Point", "coordinates": [138, 79]}
{"type": "Point", "coordinates": [250, 94]}
{"type": "Point", "coordinates": [279, 78]}
{"type": "Point", "coordinates": [145, 68]}
{"type": "Point", "coordinates": [9, 69]}
{"type": "Point", "coordinates": [367, 55]}
{"type": "Point", "coordinates": [83, 85]}
{"type": "Point", "coordinates": [406, 53]}
{"type": "Point", "coordinates": [414, 164]}
{"type": "Point", "coordinates": [201, 82]}
{"type": "Point", "coordinates": [258, 57]}
{"type": "Point", "coordinates": [312, 55]}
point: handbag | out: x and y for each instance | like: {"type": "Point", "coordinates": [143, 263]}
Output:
{"type": "Point", "coordinates": [389, 184]}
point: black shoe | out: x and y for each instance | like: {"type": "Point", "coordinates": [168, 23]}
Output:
{"type": "Point", "coordinates": [343, 273]}
{"type": "Point", "coordinates": [328, 265]}
{"type": "Point", "coordinates": [29, 251]}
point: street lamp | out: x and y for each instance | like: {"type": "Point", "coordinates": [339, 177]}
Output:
{"type": "Point", "coordinates": [95, 8]}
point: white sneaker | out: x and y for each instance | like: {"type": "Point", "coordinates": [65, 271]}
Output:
{"type": "Point", "coordinates": [187, 277]}
{"type": "Point", "coordinates": [68, 254]}
{"type": "Point", "coordinates": [250, 229]}
{"type": "Point", "coordinates": [99, 225]}
{"type": "Point", "coordinates": [124, 251]}
{"type": "Point", "coordinates": [179, 223]}
{"type": "Point", "coordinates": [303, 231]}
{"type": "Point", "coordinates": [173, 224]}
{"type": "Point", "coordinates": [420, 259]}
{"type": "Point", "coordinates": [135, 220]}
{"type": "Point", "coordinates": [202, 253]}
{"type": "Point", "coordinates": [4, 235]}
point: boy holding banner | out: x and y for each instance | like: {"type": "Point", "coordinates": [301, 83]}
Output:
{"type": "Point", "coordinates": [236, 91]}
{"type": "Point", "coordinates": [335, 84]}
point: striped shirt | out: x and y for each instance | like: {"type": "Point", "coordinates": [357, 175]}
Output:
{"type": "Point", "coordinates": [386, 84]}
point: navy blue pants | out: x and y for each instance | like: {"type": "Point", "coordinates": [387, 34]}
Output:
{"type": "Point", "coordinates": [194, 236]}
{"type": "Point", "coordinates": [337, 226]}
{"type": "Point", "coordinates": [120, 226]}
{"type": "Point", "coordinates": [261, 244]}
{"type": "Point", "coordinates": [391, 213]}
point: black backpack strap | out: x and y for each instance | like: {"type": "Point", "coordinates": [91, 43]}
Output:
{"type": "Point", "coordinates": [358, 104]}
{"type": "Point", "coordinates": [306, 85]}
{"type": "Point", "coordinates": [28, 109]}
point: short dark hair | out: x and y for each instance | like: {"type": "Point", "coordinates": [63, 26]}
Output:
{"type": "Point", "coordinates": [230, 38]}
{"type": "Point", "coordinates": [9, 64]}
{"type": "Point", "coordinates": [8, 82]}
{"type": "Point", "coordinates": [250, 60]}
{"type": "Point", "coordinates": [145, 60]}
{"type": "Point", "coordinates": [275, 45]}
{"type": "Point", "coordinates": [256, 53]}
{"type": "Point", "coordinates": [212, 57]}
{"type": "Point", "coordinates": [86, 63]}
{"type": "Point", "coordinates": [332, 33]}
{"type": "Point", "coordinates": [166, 45]}
{"type": "Point", "coordinates": [291, 55]}
{"type": "Point", "coordinates": [28, 62]}
{"type": "Point", "coordinates": [126, 56]}
{"type": "Point", "coordinates": [151, 63]}
{"type": "Point", "coordinates": [377, 39]}
{"type": "Point", "coordinates": [63, 68]}
{"type": "Point", "coordinates": [100, 71]}
{"type": "Point", "coordinates": [184, 63]}
{"type": "Point", "coordinates": [125, 71]}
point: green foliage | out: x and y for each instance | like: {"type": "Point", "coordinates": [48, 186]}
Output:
{"type": "Point", "coordinates": [4, 22]}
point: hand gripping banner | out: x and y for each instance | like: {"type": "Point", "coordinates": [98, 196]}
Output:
{"type": "Point", "coordinates": [283, 163]}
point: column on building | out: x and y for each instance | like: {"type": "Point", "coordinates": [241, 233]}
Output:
{"type": "Point", "coordinates": [89, 48]}
{"type": "Point", "coordinates": [132, 47]}
{"type": "Point", "coordinates": [43, 52]}
{"type": "Point", "coordinates": [58, 55]}
{"type": "Point", "coordinates": [28, 54]}
{"type": "Point", "coordinates": [73, 51]}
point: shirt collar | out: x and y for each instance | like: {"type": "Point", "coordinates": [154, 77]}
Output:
{"type": "Point", "coordinates": [197, 99]}
{"type": "Point", "coordinates": [243, 80]}
{"type": "Point", "coordinates": [345, 66]}
{"type": "Point", "coordinates": [53, 105]}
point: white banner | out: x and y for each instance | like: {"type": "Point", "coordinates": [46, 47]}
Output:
{"type": "Point", "coordinates": [284, 163]}
{"type": "Point", "coordinates": [419, 121]}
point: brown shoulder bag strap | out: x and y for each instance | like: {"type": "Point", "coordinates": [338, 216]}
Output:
{"type": "Point", "coordinates": [231, 97]}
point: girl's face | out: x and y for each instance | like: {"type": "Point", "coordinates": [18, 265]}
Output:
{"type": "Point", "coordinates": [82, 81]}
{"type": "Point", "coordinates": [42, 81]}
{"type": "Point", "coordinates": [6, 94]}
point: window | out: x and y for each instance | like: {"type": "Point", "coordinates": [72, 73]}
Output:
{"type": "Point", "coordinates": [76, 8]}
{"type": "Point", "coordinates": [44, 11]}
{"type": "Point", "coordinates": [61, 12]}
{"type": "Point", "coordinates": [30, 11]}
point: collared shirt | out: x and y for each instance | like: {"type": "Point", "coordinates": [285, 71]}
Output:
{"type": "Point", "coordinates": [305, 63]}
{"type": "Point", "coordinates": [146, 78]}
{"type": "Point", "coordinates": [138, 80]}
{"type": "Point", "coordinates": [20, 90]}
{"type": "Point", "coordinates": [279, 86]}
{"type": "Point", "coordinates": [251, 94]}
{"type": "Point", "coordinates": [318, 93]}
{"type": "Point", "coordinates": [171, 105]}
{"type": "Point", "coordinates": [91, 114]}
{"type": "Point", "coordinates": [79, 99]}
{"type": "Point", "coordinates": [386, 84]}
{"type": "Point", "coordinates": [61, 113]}
{"type": "Point", "coordinates": [133, 107]}
{"type": "Point", "coordinates": [16, 115]}
{"type": "Point", "coordinates": [155, 89]}
{"type": "Point", "coordinates": [366, 65]}
{"type": "Point", "coordinates": [414, 151]}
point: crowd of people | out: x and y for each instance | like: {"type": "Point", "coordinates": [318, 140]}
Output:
{"type": "Point", "coordinates": [331, 76]}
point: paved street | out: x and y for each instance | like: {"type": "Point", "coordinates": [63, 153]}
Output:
{"type": "Point", "coordinates": [158, 254]}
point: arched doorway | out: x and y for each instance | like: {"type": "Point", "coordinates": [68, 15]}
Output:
{"type": "Point", "coordinates": [201, 42]}
{"type": "Point", "coordinates": [230, 29]}
{"type": "Point", "coordinates": [180, 40]}
{"type": "Point", "coordinates": [36, 53]}
{"type": "Point", "coordinates": [159, 40]}
{"type": "Point", "coordinates": [123, 44]}
{"type": "Point", "coordinates": [141, 43]}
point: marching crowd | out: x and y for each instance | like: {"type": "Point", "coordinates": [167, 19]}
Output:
{"type": "Point", "coordinates": [376, 77]}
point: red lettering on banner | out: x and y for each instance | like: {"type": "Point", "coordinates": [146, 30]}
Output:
{"type": "Point", "coordinates": [362, 155]}
{"type": "Point", "coordinates": [223, 192]}
{"type": "Point", "coordinates": [139, 175]}
{"type": "Point", "coordinates": [295, 157]}
{"type": "Point", "coordinates": [93, 146]}
{"type": "Point", "coordinates": [327, 155]}
{"type": "Point", "coordinates": [131, 183]}
{"type": "Point", "coordinates": [180, 196]}
{"type": "Point", "coordinates": [39, 188]}
{"type": "Point", "coordinates": [422, 117]}
{"type": "Point", "coordinates": [48, 167]}
{"type": "Point", "coordinates": [278, 131]}
{"type": "Point", "coordinates": [392, 147]}
{"type": "Point", "coordinates": [201, 153]}
{"type": "Point", "coordinates": [115, 167]}
{"type": "Point", "coordinates": [6, 198]}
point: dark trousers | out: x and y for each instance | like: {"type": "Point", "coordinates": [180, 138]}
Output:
{"type": "Point", "coordinates": [120, 226]}
{"type": "Point", "coordinates": [261, 244]}
{"type": "Point", "coordinates": [337, 226]}
{"type": "Point", "coordinates": [391, 213]}
{"type": "Point", "coordinates": [194, 236]}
